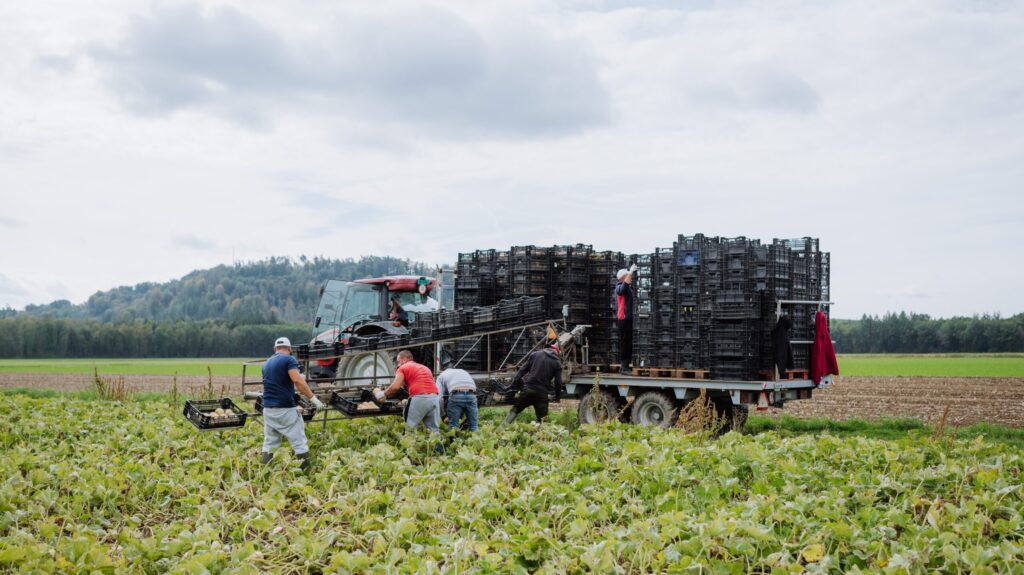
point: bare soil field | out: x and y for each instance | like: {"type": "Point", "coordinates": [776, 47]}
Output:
{"type": "Point", "coordinates": [82, 382]}
{"type": "Point", "coordinates": [971, 400]}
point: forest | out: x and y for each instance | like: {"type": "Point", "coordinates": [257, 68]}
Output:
{"type": "Point", "coordinates": [233, 310]}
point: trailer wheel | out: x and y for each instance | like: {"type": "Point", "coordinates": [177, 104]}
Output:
{"type": "Point", "coordinates": [626, 413]}
{"type": "Point", "coordinates": [656, 409]}
{"type": "Point", "coordinates": [727, 415]}
{"type": "Point", "coordinates": [738, 420]}
{"type": "Point", "coordinates": [598, 406]}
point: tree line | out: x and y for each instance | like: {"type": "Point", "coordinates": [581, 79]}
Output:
{"type": "Point", "coordinates": [273, 290]}
{"type": "Point", "coordinates": [33, 337]}
{"type": "Point", "coordinates": [919, 333]}
{"type": "Point", "coordinates": [28, 336]}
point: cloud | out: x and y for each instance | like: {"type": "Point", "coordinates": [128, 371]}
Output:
{"type": "Point", "coordinates": [57, 63]}
{"type": "Point", "coordinates": [193, 242]}
{"type": "Point", "coordinates": [12, 293]}
{"type": "Point", "coordinates": [415, 65]}
{"type": "Point", "coordinates": [6, 222]}
{"type": "Point", "coordinates": [756, 87]}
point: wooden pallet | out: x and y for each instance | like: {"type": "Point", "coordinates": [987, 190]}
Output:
{"type": "Point", "coordinates": [790, 374]}
{"type": "Point", "coordinates": [671, 373]}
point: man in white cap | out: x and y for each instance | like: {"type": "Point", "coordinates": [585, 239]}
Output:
{"type": "Point", "coordinates": [281, 418]}
{"type": "Point", "coordinates": [624, 317]}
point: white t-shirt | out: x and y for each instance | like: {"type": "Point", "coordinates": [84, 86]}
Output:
{"type": "Point", "coordinates": [454, 378]}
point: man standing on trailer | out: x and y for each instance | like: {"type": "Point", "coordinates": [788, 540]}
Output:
{"type": "Point", "coordinates": [281, 418]}
{"type": "Point", "coordinates": [541, 369]}
{"type": "Point", "coordinates": [459, 390]}
{"type": "Point", "coordinates": [624, 317]}
{"type": "Point", "coordinates": [424, 406]}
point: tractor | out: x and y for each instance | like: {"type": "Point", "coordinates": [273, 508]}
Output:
{"type": "Point", "coordinates": [361, 308]}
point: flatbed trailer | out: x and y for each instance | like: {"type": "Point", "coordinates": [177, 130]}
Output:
{"type": "Point", "coordinates": [660, 400]}
{"type": "Point", "coordinates": [655, 400]}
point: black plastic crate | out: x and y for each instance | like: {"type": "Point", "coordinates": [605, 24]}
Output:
{"type": "Point", "coordinates": [734, 348]}
{"type": "Point", "coordinates": [306, 407]}
{"type": "Point", "coordinates": [663, 360]}
{"type": "Point", "coordinates": [348, 405]}
{"type": "Point", "coordinates": [199, 412]}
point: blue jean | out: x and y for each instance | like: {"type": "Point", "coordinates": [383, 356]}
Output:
{"type": "Point", "coordinates": [460, 404]}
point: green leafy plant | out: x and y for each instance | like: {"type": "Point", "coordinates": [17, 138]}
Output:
{"type": "Point", "coordinates": [131, 487]}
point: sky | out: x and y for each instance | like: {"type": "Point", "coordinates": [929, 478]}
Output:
{"type": "Point", "coordinates": [141, 140]}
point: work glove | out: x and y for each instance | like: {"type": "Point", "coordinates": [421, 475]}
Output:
{"type": "Point", "coordinates": [319, 405]}
{"type": "Point", "coordinates": [632, 269]}
{"type": "Point", "coordinates": [379, 394]}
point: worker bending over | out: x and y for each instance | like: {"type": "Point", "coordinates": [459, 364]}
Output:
{"type": "Point", "coordinates": [423, 406]}
{"type": "Point", "coordinates": [281, 417]}
{"type": "Point", "coordinates": [459, 391]}
{"type": "Point", "coordinates": [540, 375]}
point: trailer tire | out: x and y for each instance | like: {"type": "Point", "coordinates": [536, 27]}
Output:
{"type": "Point", "coordinates": [598, 406]}
{"type": "Point", "coordinates": [656, 409]}
{"type": "Point", "coordinates": [626, 413]}
{"type": "Point", "coordinates": [739, 418]}
{"type": "Point", "coordinates": [733, 417]}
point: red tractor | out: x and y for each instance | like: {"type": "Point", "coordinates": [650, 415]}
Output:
{"type": "Point", "coordinates": [364, 308]}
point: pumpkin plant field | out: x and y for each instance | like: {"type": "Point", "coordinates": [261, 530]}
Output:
{"type": "Point", "coordinates": [109, 487]}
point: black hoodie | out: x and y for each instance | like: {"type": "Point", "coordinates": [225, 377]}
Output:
{"type": "Point", "coordinates": [782, 350]}
{"type": "Point", "coordinates": [540, 368]}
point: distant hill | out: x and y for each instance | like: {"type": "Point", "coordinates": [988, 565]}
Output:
{"type": "Point", "coordinates": [274, 290]}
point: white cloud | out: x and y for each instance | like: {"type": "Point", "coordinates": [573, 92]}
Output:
{"type": "Point", "coordinates": [146, 141]}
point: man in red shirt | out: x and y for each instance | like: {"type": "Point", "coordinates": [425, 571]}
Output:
{"type": "Point", "coordinates": [424, 406]}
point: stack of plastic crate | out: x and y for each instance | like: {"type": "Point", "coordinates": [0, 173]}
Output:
{"type": "Point", "coordinates": [664, 314]}
{"type": "Point", "coordinates": [602, 335]}
{"type": "Point", "coordinates": [643, 311]}
{"type": "Point", "coordinates": [692, 326]}
{"type": "Point", "coordinates": [570, 282]}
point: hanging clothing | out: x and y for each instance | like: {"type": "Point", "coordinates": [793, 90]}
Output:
{"type": "Point", "coordinates": [782, 350]}
{"type": "Point", "coordinates": [823, 353]}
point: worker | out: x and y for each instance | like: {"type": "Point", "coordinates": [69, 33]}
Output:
{"type": "Point", "coordinates": [398, 313]}
{"type": "Point", "coordinates": [541, 372]}
{"type": "Point", "coordinates": [459, 392]}
{"type": "Point", "coordinates": [423, 406]}
{"type": "Point", "coordinates": [624, 317]}
{"type": "Point", "coordinates": [281, 417]}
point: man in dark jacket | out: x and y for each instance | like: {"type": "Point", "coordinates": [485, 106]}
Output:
{"type": "Point", "coordinates": [534, 382]}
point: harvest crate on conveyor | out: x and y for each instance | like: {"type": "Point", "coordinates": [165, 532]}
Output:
{"type": "Point", "coordinates": [306, 407]}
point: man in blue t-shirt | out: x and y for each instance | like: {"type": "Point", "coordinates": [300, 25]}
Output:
{"type": "Point", "coordinates": [281, 418]}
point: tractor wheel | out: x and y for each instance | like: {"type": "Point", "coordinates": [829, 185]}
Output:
{"type": "Point", "coordinates": [656, 409]}
{"type": "Point", "coordinates": [598, 406]}
{"type": "Point", "coordinates": [370, 369]}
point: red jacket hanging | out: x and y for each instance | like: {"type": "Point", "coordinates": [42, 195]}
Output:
{"type": "Point", "coordinates": [823, 353]}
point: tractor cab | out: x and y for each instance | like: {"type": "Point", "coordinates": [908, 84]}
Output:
{"type": "Point", "coordinates": [362, 307]}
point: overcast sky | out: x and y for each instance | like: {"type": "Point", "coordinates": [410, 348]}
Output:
{"type": "Point", "coordinates": [141, 140]}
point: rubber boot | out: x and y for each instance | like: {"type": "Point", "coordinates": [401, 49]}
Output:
{"type": "Point", "coordinates": [510, 418]}
{"type": "Point", "coordinates": [266, 457]}
{"type": "Point", "coordinates": [305, 460]}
